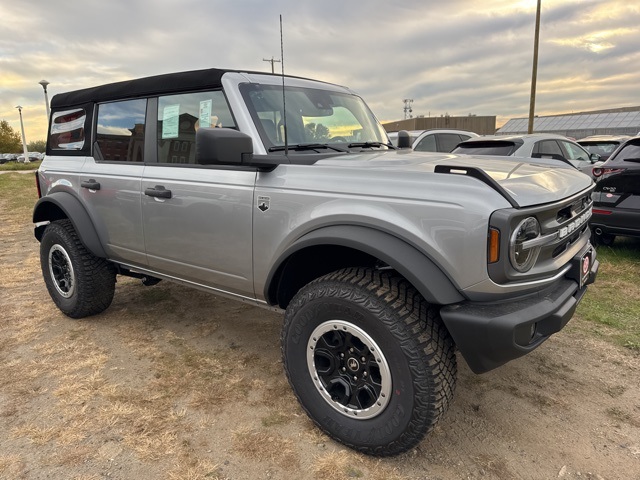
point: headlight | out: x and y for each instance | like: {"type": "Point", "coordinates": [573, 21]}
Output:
{"type": "Point", "coordinates": [522, 256]}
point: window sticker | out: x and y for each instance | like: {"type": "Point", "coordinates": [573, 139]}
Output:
{"type": "Point", "coordinates": [170, 117]}
{"type": "Point", "coordinates": [205, 113]}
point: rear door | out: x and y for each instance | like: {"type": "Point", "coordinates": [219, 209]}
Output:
{"type": "Point", "coordinates": [197, 218]}
{"type": "Point", "coordinates": [110, 180]}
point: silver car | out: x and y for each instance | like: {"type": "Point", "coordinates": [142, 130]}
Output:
{"type": "Point", "coordinates": [437, 140]}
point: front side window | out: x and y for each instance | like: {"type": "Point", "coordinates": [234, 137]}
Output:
{"type": "Point", "coordinates": [67, 130]}
{"type": "Point", "coordinates": [574, 152]}
{"type": "Point", "coordinates": [180, 116]}
{"type": "Point", "coordinates": [312, 116]}
{"type": "Point", "coordinates": [120, 132]}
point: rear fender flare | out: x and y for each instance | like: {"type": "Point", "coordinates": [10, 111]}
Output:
{"type": "Point", "coordinates": [64, 205]}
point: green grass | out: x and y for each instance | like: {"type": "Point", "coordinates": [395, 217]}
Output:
{"type": "Point", "coordinates": [14, 166]}
{"type": "Point", "coordinates": [611, 307]}
{"type": "Point", "coordinates": [19, 192]}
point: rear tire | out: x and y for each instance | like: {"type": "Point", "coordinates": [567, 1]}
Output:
{"type": "Point", "coordinates": [369, 360]}
{"type": "Point", "coordinates": [80, 284]}
{"type": "Point", "coordinates": [606, 239]}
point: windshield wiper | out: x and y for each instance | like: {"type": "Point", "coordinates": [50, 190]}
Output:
{"type": "Point", "coordinates": [371, 145]}
{"type": "Point", "coordinates": [305, 146]}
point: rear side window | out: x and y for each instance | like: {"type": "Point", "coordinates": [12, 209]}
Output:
{"type": "Point", "coordinates": [548, 147]}
{"type": "Point", "coordinates": [180, 116]}
{"type": "Point", "coordinates": [427, 144]}
{"type": "Point", "coordinates": [120, 132]}
{"type": "Point", "coordinates": [448, 141]}
{"type": "Point", "coordinates": [67, 130]}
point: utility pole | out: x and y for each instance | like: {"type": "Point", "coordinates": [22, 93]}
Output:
{"type": "Point", "coordinates": [534, 73]}
{"type": "Point", "coordinates": [407, 108]}
{"type": "Point", "coordinates": [271, 61]}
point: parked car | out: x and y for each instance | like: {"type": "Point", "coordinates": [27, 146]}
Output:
{"type": "Point", "coordinates": [616, 198]}
{"type": "Point", "coordinates": [10, 157]}
{"type": "Point", "coordinates": [603, 145]}
{"type": "Point", "coordinates": [385, 262]}
{"type": "Point", "coordinates": [534, 145]}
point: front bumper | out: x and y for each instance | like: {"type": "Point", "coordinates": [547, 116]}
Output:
{"type": "Point", "coordinates": [489, 335]}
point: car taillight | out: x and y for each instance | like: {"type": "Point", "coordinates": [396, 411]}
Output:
{"type": "Point", "coordinates": [38, 185]}
{"type": "Point", "coordinates": [601, 212]}
{"type": "Point", "coordinates": [597, 171]}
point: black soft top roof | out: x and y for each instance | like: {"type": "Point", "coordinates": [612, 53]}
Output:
{"type": "Point", "coordinates": [158, 84]}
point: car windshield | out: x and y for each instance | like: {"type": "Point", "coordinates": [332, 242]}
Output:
{"type": "Point", "coordinates": [313, 116]}
{"type": "Point", "coordinates": [499, 148]}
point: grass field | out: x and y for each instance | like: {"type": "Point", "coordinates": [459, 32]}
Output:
{"type": "Point", "coordinates": [15, 166]}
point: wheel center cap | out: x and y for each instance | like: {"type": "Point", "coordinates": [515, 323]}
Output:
{"type": "Point", "coordinates": [353, 364]}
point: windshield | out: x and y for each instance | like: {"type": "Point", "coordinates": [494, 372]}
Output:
{"type": "Point", "coordinates": [313, 117]}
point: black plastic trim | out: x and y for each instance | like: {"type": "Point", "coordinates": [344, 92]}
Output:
{"type": "Point", "coordinates": [478, 174]}
{"type": "Point", "coordinates": [74, 211]}
{"type": "Point", "coordinates": [415, 266]}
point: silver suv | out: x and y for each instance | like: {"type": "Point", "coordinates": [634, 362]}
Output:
{"type": "Point", "coordinates": [284, 192]}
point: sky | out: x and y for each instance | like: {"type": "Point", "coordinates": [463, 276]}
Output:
{"type": "Point", "coordinates": [458, 57]}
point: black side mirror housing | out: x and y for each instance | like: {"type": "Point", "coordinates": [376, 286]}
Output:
{"type": "Point", "coordinates": [223, 146]}
{"type": "Point", "coordinates": [404, 139]}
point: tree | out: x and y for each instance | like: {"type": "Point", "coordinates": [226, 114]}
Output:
{"type": "Point", "coordinates": [9, 139]}
{"type": "Point", "coordinates": [37, 146]}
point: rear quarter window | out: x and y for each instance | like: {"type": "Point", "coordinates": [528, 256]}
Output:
{"type": "Point", "coordinates": [67, 130]}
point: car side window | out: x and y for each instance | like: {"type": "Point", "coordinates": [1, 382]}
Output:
{"type": "Point", "coordinates": [574, 152]}
{"type": "Point", "coordinates": [120, 131]}
{"type": "Point", "coordinates": [427, 144]}
{"type": "Point", "coordinates": [548, 147]}
{"type": "Point", "coordinates": [67, 130]}
{"type": "Point", "coordinates": [180, 116]}
{"type": "Point", "coordinates": [448, 141]}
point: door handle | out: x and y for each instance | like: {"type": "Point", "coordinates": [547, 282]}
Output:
{"type": "Point", "coordinates": [91, 185]}
{"type": "Point", "coordinates": [158, 191]}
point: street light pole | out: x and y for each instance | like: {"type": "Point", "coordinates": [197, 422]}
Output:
{"type": "Point", "coordinates": [534, 73]}
{"type": "Point", "coordinates": [44, 84]}
{"type": "Point", "coordinates": [24, 141]}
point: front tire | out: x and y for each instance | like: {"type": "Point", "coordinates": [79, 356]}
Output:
{"type": "Point", "coordinates": [79, 283]}
{"type": "Point", "coordinates": [369, 360]}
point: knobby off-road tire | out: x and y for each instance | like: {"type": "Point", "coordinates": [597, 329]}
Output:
{"type": "Point", "coordinates": [369, 360]}
{"type": "Point", "coordinates": [80, 284]}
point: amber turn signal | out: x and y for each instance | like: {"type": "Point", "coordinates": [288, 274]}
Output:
{"type": "Point", "coordinates": [493, 252]}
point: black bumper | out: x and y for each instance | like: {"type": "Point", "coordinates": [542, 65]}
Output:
{"type": "Point", "coordinates": [489, 335]}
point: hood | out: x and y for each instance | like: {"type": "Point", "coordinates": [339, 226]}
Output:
{"type": "Point", "coordinates": [526, 181]}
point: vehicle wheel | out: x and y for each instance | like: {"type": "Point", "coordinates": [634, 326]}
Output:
{"type": "Point", "coordinates": [369, 360]}
{"type": "Point", "coordinates": [79, 283]}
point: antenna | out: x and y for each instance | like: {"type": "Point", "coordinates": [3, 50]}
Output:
{"type": "Point", "coordinates": [284, 104]}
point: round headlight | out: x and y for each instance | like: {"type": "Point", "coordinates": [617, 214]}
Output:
{"type": "Point", "coordinates": [522, 257]}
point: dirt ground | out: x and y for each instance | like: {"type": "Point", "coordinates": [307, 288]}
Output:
{"type": "Point", "coordinates": [172, 383]}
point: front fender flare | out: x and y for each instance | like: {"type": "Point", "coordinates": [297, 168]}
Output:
{"type": "Point", "coordinates": [421, 271]}
{"type": "Point", "coordinates": [47, 209]}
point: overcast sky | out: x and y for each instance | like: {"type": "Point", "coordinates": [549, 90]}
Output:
{"type": "Point", "coordinates": [457, 57]}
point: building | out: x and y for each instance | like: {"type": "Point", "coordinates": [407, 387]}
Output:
{"type": "Point", "coordinates": [485, 125]}
{"type": "Point", "coordinates": [615, 121]}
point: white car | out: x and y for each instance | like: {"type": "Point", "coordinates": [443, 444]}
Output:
{"type": "Point", "coordinates": [434, 140]}
{"type": "Point", "coordinates": [534, 145]}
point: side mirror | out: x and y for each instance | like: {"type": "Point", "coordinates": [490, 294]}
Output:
{"type": "Point", "coordinates": [225, 146]}
{"type": "Point", "coordinates": [594, 157]}
{"type": "Point", "coordinates": [404, 139]}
